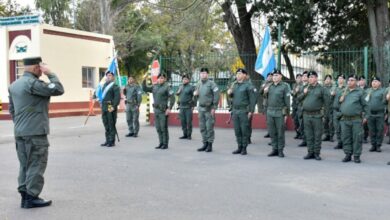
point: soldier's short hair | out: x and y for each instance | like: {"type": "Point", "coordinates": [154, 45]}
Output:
{"type": "Point", "coordinates": [341, 75]}
{"type": "Point", "coordinates": [328, 76]}
{"type": "Point", "coordinates": [305, 72]}
{"type": "Point", "coordinates": [161, 74]}
{"type": "Point", "coordinates": [241, 70]}
{"type": "Point", "coordinates": [361, 77]}
{"type": "Point", "coordinates": [204, 69]}
{"type": "Point", "coordinates": [185, 76]}
{"type": "Point", "coordinates": [298, 75]}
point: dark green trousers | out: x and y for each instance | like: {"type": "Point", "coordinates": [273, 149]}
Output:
{"type": "Point", "coordinates": [32, 154]}
{"type": "Point", "coordinates": [109, 122]}
{"type": "Point", "coordinates": [276, 129]}
{"type": "Point", "coordinates": [132, 118]}
{"type": "Point", "coordinates": [186, 121]}
{"type": "Point", "coordinates": [241, 127]}
{"type": "Point", "coordinates": [337, 125]}
{"type": "Point", "coordinates": [206, 125]}
{"type": "Point", "coordinates": [313, 132]}
{"type": "Point", "coordinates": [376, 126]}
{"type": "Point", "coordinates": [352, 136]}
{"type": "Point", "coordinates": [328, 124]}
{"type": "Point", "coordinates": [161, 124]}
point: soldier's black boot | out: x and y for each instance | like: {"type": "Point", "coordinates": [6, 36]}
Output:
{"type": "Point", "coordinates": [111, 144]}
{"type": "Point", "coordinates": [267, 135]}
{"type": "Point", "coordinates": [378, 148]}
{"type": "Point", "coordinates": [249, 140]}
{"type": "Point", "coordinates": [159, 146]}
{"type": "Point", "coordinates": [204, 147]}
{"type": "Point", "coordinates": [356, 159]}
{"type": "Point", "coordinates": [183, 137]}
{"type": "Point", "coordinates": [35, 202]}
{"type": "Point", "coordinates": [130, 134]}
{"type": "Point", "coordinates": [303, 144]}
{"type": "Point", "coordinates": [135, 135]}
{"type": "Point", "coordinates": [23, 200]}
{"type": "Point", "coordinates": [273, 153]}
{"type": "Point", "coordinates": [309, 156]}
{"type": "Point", "coordinates": [209, 147]}
{"type": "Point", "coordinates": [317, 157]}
{"type": "Point", "coordinates": [347, 158]}
{"type": "Point", "coordinates": [365, 141]}
{"type": "Point", "coordinates": [243, 151]}
{"type": "Point", "coordinates": [339, 146]}
{"type": "Point", "coordinates": [388, 163]}
{"type": "Point", "coordinates": [280, 153]}
{"type": "Point", "coordinates": [104, 144]}
{"type": "Point", "coordinates": [297, 135]}
{"type": "Point", "coordinates": [326, 138]}
{"type": "Point", "coordinates": [189, 137]}
{"type": "Point", "coordinates": [238, 151]}
{"type": "Point", "coordinates": [165, 146]}
{"type": "Point", "coordinates": [373, 148]}
{"type": "Point", "coordinates": [388, 142]}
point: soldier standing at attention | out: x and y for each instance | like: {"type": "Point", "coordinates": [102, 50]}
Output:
{"type": "Point", "coordinates": [314, 99]}
{"type": "Point", "coordinates": [133, 95]}
{"type": "Point", "coordinates": [186, 105]}
{"type": "Point", "coordinates": [207, 93]}
{"type": "Point", "coordinates": [375, 100]}
{"type": "Point", "coordinates": [354, 111]}
{"type": "Point", "coordinates": [328, 118]}
{"type": "Point", "coordinates": [164, 100]}
{"type": "Point", "coordinates": [300, 110]}
{"type": "Point", "coordinates": [29, 100]}
{"type": "Point", "coordinates": [336, 93]}
{"type": "Point", "coordinates": [278, 105]}
{"type": "Point", "coordinates": [248, 79]}
{"type": "Point", "coordinates": [243, 105]}
{"type": "Point", "coordinates": [363, 85]}
{"type": "Point", "coordinates": [110, 101]}
{"type": "Point", "coordinates": [294, 93]}
{"type": "Point", "coordinates": [265, 85]}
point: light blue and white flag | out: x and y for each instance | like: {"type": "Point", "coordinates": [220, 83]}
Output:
{"type": "Point", "coordinates": [112, 67]}
{"type": "Point", "coordinates": [265, 62]}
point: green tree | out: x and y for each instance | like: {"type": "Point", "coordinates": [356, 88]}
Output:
{"type": "Point", "coordinates": [10, 8]}
{"type": "Point", "coordinates": [56, 12]}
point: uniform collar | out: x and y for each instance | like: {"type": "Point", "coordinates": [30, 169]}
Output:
{"type": "Point", "coordinates": [30, 74]}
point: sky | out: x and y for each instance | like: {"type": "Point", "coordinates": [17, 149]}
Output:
{"type": "Point", "coordinates": [26, 2]}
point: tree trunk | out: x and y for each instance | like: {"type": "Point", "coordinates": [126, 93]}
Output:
{"type": "Point", "coordinates": [288, 63]}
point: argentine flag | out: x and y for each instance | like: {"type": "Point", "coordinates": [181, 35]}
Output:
{"type": "Point", "coordinates": [265, 62]}
{"type": "Point", "coordinates": [113, 67]}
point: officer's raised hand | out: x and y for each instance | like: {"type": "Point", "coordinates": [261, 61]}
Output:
{"type": "Point", "coordinates": [44, 68]}
{"type": "Point", "coordinates": [167, 111]}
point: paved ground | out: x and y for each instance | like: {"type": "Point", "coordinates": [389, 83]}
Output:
{"type": "Point", "coordinates": [135, 181]}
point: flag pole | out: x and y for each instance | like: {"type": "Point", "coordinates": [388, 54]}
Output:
{"type": "Point", "coordinates": [279, 46]}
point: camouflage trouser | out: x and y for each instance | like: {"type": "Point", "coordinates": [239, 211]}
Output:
{"type": "Point", "coordinates": [186, 121]}
{"type": "Point", "coordinates": [161, 124]}
{"type": "Point", "coordinates": [376, 127]}
{"type": "Point", "coordinates": [206, 125]}
{"type": "Point", "coordinates": [109, 121]}
{"type": "Point", "coordinates": [352, 136]}
{"type": "Point", "coordinates": [313, 132]}
{"type": "Point", "coordinates": [241, 127]}
{"type": "Point", "coordinates": [132, 117]}
{"type": "Point", "coordinates": [32, 154]}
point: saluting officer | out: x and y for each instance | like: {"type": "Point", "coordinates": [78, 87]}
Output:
{"type": "Point", "coordinates": [354, 111]}
{"type": "Point", "coordinates": [300, 110]}
{"type": "Point", "coordinates": [186, 105]}
{"type": "Point", "coordinates": [29, 100]}
{"type": "Point", "coordinates": [133, 94]}
{"type": "Point", "coordinates": [243, 104]}
{"type": "Point", "coordinates": [207, 93]}
{"type": "Point", "coordinates": [164, 100]}
{"type": "Point", "coordinates": [315, 100]}
{"type": "Point", "coordinates": [278, 105]}
{"type": "Point", "coordinates": [328, 117]}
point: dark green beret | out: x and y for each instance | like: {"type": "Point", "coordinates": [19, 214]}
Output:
{"type": "Point", "coordinates": [312, 73]}
{"type": "Point", "coordinates": [32, 61]}
{"type": "Point", "coordinates": [376, 78]}
{"type": "Point", "coordinates": [163, 75]}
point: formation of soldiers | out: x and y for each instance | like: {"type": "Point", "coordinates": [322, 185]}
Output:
{"type": "Point", "coordinates": [341, 109]}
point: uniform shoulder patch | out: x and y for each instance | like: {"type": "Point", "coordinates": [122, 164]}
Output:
{"type": "Point", "coordinates": [215, 89]}
{"type": "Point", "coordinates": [51, 85]}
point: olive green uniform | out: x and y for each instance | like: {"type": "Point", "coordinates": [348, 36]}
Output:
{"type": "Point", "coordinates": [186, 105]}
{"type": "Point", "coordinates": [294, 106]}
{"type": "Point", "coordinates": [29, 100]}
{"type": "Point", "coordinates": [301, 129]}
{"type": "Point", "coordinates": [110, 100]}
{"type": "Point", "coordinates": [133, 96]}
{"type": "Point", "coordinates": [208, 97]}
{"type": "Point", "coordinates": [244, 101]}
{"type": "Point", "coordinates": [338, 91]}
{"type": "Point", "coordinates": [314, 105]}
{"type": "Point", "coordinates": [278, 105]}
{"type": "Point", "coordinates": [163, 98]}
{"type": "Point", "coordinates": [365, 125]}
{"type": "Point", "coordinates": [353, 109]}
{"type": "Point", "coordinates": [328, 117]}
{"type": "Point", "coordinates": [376, 100]}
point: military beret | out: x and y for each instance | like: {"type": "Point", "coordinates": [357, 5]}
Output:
{"type": "Point", "coordinates": [298, 75]}
{"type": "Point", "coordinates": [276, 72]}
{"type": "Point", "coordinates": [185, 76]}
{"type": "Point", "coordinates": [341, 75]}
{"type": "Point", "coordinates": [109, 72]}
{"type": "Point", "coordinates": [376, 78]}
{"type": "Point", "coordinates": [241, 70]}
{"type": "Point", "coordinates": [32, 61]}
{"type": "Point", "coordinates": [361, 77]}
{"type": "Point", "coordinates": [305, 72]}
{"type": "Point", "coordinates": [204, 69]}
{"type": "Point", "coordinates": [312, 73]}
{"type": "Point", "coordinates": [353, 76]}
{"type": "Point", "coordinates": [161, 75]}
{"type": "Point", "coordinates": [328, 76]}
